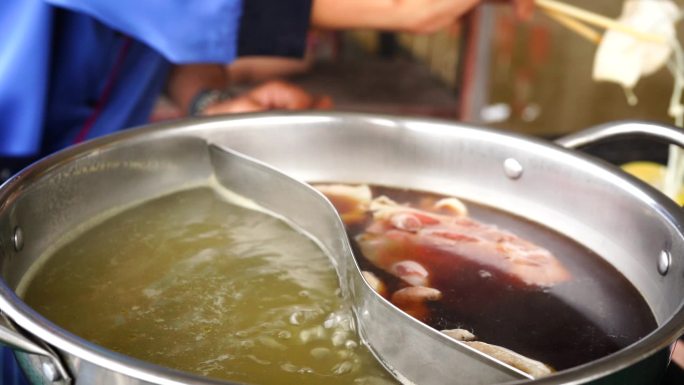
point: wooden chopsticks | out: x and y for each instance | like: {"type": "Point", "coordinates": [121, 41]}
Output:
{"type": "Point", "coordinates": [572, 17]}
{"type": "Point", "coordinates": [576, 26]}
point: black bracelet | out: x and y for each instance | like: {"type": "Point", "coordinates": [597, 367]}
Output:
{"type": "Point", "coordinates": [205, 98]}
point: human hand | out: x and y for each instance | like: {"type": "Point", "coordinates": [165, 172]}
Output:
{"type": "Point", "coordinates": [272, 95]}
{"type": "Point", "coordinates": [187, 80]}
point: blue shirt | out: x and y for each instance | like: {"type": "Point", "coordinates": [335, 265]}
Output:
{"type": "Point", "coordinates": [74, 69]}
{"type": "Point", "coordinates": [71, 70]}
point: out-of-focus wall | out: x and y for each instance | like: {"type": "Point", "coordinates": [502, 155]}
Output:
{"type": "Point", "coordinates": [543, 73]}
{"type": "Point", "coordinates": [438, 51]}
{"type": "Point", "coordinates": [533, 77]}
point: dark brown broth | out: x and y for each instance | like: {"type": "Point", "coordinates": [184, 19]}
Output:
{"type": "Point", "coordinates": [594, 314]}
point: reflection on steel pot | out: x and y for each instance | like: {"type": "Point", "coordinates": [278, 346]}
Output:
{"type": "Point", "coordinates": [626, 222]}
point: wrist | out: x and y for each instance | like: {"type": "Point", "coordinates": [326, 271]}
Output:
{"type": "Point", "coordinates": [206, 98]}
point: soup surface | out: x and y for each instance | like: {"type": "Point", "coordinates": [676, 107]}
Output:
{"type": "Point", "coordinates": [193, 282]}
{"type": "Point", "coordinates": [590, 310]}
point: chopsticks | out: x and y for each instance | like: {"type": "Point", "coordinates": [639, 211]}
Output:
{"type": "Point", "coordinates": [570, 16]}
{"type": "Point", "coordinates": [573, 17]}
{"type": "Point", "coordinates": [576, 26]}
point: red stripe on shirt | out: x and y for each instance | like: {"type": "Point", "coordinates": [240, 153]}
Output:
{"type": "Point", "coordinates": [106, 91]}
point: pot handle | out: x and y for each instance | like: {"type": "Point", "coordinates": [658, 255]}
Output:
{"type": "Point", "coordinates": [48, 364]}
{"type": "Point", "coordinates": [626, 129]}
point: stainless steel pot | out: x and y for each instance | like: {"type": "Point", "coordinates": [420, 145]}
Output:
{"type": "Point", "coordinates": [634, 227]}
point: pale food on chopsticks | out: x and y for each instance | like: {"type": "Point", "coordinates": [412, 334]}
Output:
{"type": "Point", "coordinates": [629, 51]}
{"type": "Point", "coordinates": [623, 59]}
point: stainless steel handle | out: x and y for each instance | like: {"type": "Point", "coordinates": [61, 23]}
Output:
{"type": "Point", "coordinates": [16, 341]}
{"type": "Point", "coordinates": [51, 369]}
{"type": "Point", "coordinates": [625, 129]}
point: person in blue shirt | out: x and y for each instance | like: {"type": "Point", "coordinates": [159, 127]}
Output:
{"type": "Point", "coordinates": [71, 70]}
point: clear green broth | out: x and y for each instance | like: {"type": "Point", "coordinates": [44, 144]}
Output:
{"type": "Point", "coordinates": [195, 283]}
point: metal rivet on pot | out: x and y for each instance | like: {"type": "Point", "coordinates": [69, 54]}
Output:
{"type": "Point", "coordinates": [513, 168]}
{"type": "Point", "coordinates": [18, 239]}
{"type": "Point", "coordinates": [50, 371]}
{"type": "Point", "coordinates": [664, 262]}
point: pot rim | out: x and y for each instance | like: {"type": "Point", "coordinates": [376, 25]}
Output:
{"type": "Point", "coordinates": [34, 323]}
